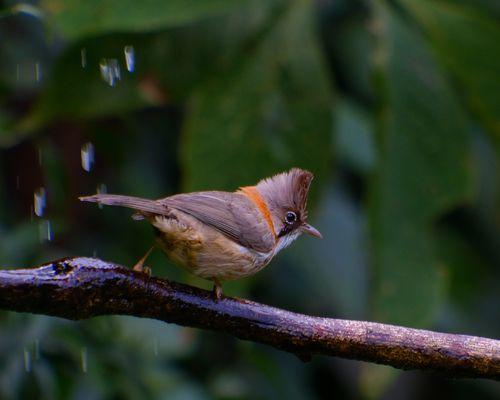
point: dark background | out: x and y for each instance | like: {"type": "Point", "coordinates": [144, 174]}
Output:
{"type": "Point", "coordinates": [393, 105]}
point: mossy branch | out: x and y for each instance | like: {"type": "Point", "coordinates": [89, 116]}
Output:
{"type": "Point", "coordinates": [79, 288]}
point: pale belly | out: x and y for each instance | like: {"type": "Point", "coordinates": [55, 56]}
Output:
{"type": "Point", "coordinates": [204, 251]}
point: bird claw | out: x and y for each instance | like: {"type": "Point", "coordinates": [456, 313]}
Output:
{"type": "Point", "coordinates": [217, 290]}
{"type": "Point", "coordinates": [140, 267]}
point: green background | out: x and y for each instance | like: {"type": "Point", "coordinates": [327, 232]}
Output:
{"type": "Point", "coordinates": [393, 105]}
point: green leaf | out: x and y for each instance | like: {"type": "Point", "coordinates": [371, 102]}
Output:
{"type": "Point", "coordinates": [375, 380]}
{"type": "Point", "coordinates": [422, 173]}
{"type": "Point", "coordinates": [464, 263]}
{"type": "Point", "coordinates": [491, 7]}
{"type": "Point", "coordinates": [351, 47]}
{"type": "Point", "coordinates": [354, 137]}
{"type": "Point", "coordinates": [75, 19]}
{"type": "Point", "coordinates": [183, 58]}
{"type": "Point", "coordinates": [269, 113]}
{"type": "Point", "coordinates": [467, 42]}
{"type": "Point", "coordinates": [19, 244]}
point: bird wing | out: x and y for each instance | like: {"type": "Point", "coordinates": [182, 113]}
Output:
{"type": "Point", "coordinates": [232, 214]}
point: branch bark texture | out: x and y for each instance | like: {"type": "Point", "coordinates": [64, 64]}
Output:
{"type": "Point", "coordinates": [79, 288]}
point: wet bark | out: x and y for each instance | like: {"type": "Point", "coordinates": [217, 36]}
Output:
{"type": "Point", "coordinates": [79, 288]}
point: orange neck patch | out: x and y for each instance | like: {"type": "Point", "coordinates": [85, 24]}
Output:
{"type": "Point", "coordinates": [253, 194]}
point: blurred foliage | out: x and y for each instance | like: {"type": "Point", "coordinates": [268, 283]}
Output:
{"type": "Point", "coordinates": [394, 105]}
{"type": "Point", "coordinates": [416, 181]}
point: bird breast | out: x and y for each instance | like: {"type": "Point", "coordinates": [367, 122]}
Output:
{"type": "Point", "coordinates": [203, 250]}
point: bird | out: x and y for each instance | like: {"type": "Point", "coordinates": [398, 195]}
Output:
{"type": "Point", "coordinates": [222, 236]}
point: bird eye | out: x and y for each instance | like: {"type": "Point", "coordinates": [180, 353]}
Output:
{"type": "Point", "coordinates": [291, 217]}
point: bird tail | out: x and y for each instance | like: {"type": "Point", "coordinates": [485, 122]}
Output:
{"type": "Point", "coordinates": [136, 203]}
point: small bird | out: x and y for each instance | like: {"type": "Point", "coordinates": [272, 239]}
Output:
{"type": "Point", "coordinates": [223, 236]}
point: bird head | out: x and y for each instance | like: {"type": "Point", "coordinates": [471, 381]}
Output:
{"type": "Point", "coordinates": [286, 197]}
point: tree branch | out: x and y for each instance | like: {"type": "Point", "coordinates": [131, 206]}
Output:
{"type": "Point", "coordinates": [79, 288]}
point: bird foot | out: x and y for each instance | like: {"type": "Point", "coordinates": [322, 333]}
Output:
{"type": "Point", "coordinates": [140, 267]}
{"type": "Point", "coordinates": [217, 290]}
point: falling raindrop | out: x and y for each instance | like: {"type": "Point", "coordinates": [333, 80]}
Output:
{"type": "Point", "coordinates": [104, 68]}
{"type": "Point", "coordinates": [94, 253]}
{"type": "Point", "coordinates": [114, 67]}
{"type": "Point", "coordinates": [28, 9]}
{"type": "Point", "coordinates": [18, 182]}
{"type": "Point", "coordinates": [101, 188]}
{"type": "Point", "coordinates": [27, 360]}
{"type": "Point", "coordinates": [110, 70]}
{"type": "Point", "coordinates": [40, 200]}
{"type": "Point", "coordinates": [129, 58]}
{"type": "Point", "coordinates": [38, 71]}
{"type": "Point", "coordinates": [84, 359]}
{"type": "Point", "coordinates": [87, 154]}
{"type": "Point", "coordinates": [83, 53]}
{"type": "Point", "coordinates": [45, 231]}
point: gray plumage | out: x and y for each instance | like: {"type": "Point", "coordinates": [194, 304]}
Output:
{"type": "Point", "coordinates": [232, 214]}
{"type": "Point", "coordinates": [136, 203]}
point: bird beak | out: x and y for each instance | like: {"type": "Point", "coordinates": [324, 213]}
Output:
{"type": "Point", "coordinates": [311, 230]}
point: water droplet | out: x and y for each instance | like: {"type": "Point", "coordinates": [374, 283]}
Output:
{"type": "Point", "coordinates": [110, 70]}
{"type": "Point", "coordinates": [87, 154]}
{"type": "Point", "coordinates": [40, 201]}
{"type": "Point", "coordinates": [83, 53]}
{"type": "Point", "coordinates": [84, 359]}
{"type": "Point", "coordinates": [27, 360]}
{"type": "Point", "coordinates": [129, 58]}
{"type": "Point", "coordinates": [104, 68]}
{"type": "Point", "coordinates": [38, 71]}
{"type": "Point", "coordinates": [94, 253]}
{"type": "Point", "coordinates": [101, 188]}
{"type": "Point", "coordinates": [29, 9]}
{"type": "Point", "coordinates": [18, 182]}
{"type": "Point", "coordinates": [45, 231]}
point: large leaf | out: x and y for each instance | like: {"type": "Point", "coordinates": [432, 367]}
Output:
{"type": "Point", "coordinates": [423, 172]}
{"type": "Point", "coordinates": [78, 18]}
{"type": "Point", "coordinates": [182, 58]}
{"type": "Point", "coordinates": [267, 114]}
{"type": "Point", "coordinates": [168, 65]}
{"type": "Point", "coordinates": [491, 7]}
{"type": "Point", "coordinates": [354, 137]}
{"type": "Point", "coordinates": [350, 44]}
{"type": "Point", "coordinates": [467, 41]}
